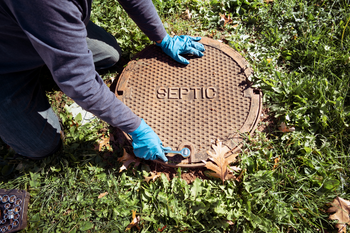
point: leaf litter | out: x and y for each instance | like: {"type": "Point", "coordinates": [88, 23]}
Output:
{"type": "Point", "coordinates": [127, 159]}
{"type": "Point", "coordinates": [135, 222]}
{"type": "Point", "coordinates": [102, 195]}
{"type": "Point", "coordinates": [153, 177]}
{"type": "Point", "coordinates": [189, 175]}
{"type": "Point", "coordinates": [218, 166]}
{"type": "Point", "coordinates": [341, 209]}
{"type": "Point", "coordinates": [104, 142]}
{"type": "Point", "coordinates": [120, 141]}
{"type": "Point", "coordinates": [285, 129]}
{"type": "Point", "coordinates": [221, 163]}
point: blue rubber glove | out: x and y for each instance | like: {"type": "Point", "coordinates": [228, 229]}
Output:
{"type": "Point", "coordinates": [174, 46]}
{"type": "Point", "coordinates": [146, 143]}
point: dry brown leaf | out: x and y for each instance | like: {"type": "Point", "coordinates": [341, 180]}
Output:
{"type": "Point", "coordinates": [285, 129]}
{"type": "Point", "coordinates": [230, 222]}
{"type": "Point", "coordinates": [102, 194]}
{"type": "Point", "coordinates": [103, 142]}
{"type": "Point", "coordinates": [235, 168]}
{"type": "Point", "coordinates": [226, 19]}
{"type": "Point", "coordinates": [187, 14]}
{"type": "Point", "coordinates": [154, 176]}
{"type": "Point", "coordinates": [221, 163]}
{"type": "Point", "coordinates": [135, 221]}
{"type": "Point", "coordinates": [232, 158]}
{"type": "Point", "coordinates": [341, 209]}
{"type": "Point", "coordinates": [276, 162]}
{"type": "Point", "coordinates": [127, 159]}
{"type": "Point", "coordinates": [215, 175]}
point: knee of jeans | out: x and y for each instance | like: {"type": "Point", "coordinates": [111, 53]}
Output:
{"type": "Point", "coordinates": [114, 57]}
{"type": "Point", "coordinates": [104, 54]}
{"type": "Point", "coordinates": [41, 149]}
{"type": "Point", "coordinates": [108, 60]}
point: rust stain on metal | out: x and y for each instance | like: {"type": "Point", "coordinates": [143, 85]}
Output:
{"type": "Point", "coordinates": [192, 106]}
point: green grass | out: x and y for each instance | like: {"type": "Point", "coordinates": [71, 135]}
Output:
{"type": "Point", "coordinates": [299, 51]}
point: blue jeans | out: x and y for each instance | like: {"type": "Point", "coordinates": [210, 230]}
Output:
{"type": "Point", "coordinates": [27, 121]}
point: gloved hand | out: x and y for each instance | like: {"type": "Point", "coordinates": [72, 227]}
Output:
{"type": "Point", "coordinates": [146, 143]}
{"type": "Point", "coordinates": [174, 46]}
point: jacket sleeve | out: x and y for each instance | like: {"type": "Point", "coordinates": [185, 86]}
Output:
{"type": "Point", "coordinates": [57, 31]}
{"type": "Point", "coordinates": [144, 14]}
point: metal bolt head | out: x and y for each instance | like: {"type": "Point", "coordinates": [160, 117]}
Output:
{"type": "Point", "coordinates": [18, 201]}
{"type": "Point", "coordinates": [12, 198]}
{"type": "Point", "coordinates": [15, 223]}
{"type": "Point", "coordinates": [5, 199]}
{"type": "Point", "coordinates": [17, 209]}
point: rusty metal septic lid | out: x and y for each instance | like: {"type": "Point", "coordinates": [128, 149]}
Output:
{"type": "Point", "coordinates": [192, 106]}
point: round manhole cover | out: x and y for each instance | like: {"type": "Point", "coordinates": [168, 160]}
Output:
{"type": "Point", "coordinates": [192, 106]}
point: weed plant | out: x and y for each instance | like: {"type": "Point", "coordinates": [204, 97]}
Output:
{"type": "Point", "coordinates": [299, 51]}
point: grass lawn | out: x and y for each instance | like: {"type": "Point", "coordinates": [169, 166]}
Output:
{"type": "Point", "coordinates": [299, 51]}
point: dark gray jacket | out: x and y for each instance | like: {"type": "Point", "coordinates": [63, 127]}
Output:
{"type": "Point", "coordinates": [52, 32]}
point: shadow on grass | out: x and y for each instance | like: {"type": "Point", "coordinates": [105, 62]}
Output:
{"type": "Point", "coordinates": [76, 154]}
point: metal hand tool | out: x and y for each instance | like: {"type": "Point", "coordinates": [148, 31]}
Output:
{"type": "Point", "coordinates": [185, 152]}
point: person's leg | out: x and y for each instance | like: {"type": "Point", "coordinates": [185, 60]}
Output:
{"type": "Point", "coordinates": [104, 47]}
{"type": "Point", "coordinates": [27, 121]}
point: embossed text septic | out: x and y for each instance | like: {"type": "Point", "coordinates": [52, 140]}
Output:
{"type": "Point", "coordinates": [186, 93]}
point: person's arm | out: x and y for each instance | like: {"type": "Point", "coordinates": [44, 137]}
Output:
{"type": "Point", "coordinates": [58, 33]}
{"type": "Point", "coordinates": [145, 16]}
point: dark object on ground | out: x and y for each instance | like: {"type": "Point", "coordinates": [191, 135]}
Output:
{"type": "Point", "coordinates": [13, 210]}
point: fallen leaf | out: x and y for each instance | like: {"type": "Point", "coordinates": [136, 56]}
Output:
{"type": "Point", "coordinates": [103, 142]}
{"type": "Point", "coordinates": [230, 222]}
{"type": "Point", "coordinates": [285, 129]}
{"type": "Point", "coordinates": [268, 1]}
{"type": "Point", "coordinates": [232, 158]}
{"type": "Point", "coordinates": [102, 194]}
{"type": "Point", "coordinates": [225, 19]}
{"type": "Point", "coordinates": [187, 14]}
{"type": "Point", "coordinates": [127, 159]}
{"type": "Point", "coordinates": [135, 221]}
{"type": "Point", "coordinates": [276, 162]}
{"type": "Point", "coordinates": [341, 209]}
{"type": "Point", "coordinates": [154, 176]}
{"type": "Point", "coordinates": [220, 165]}
{"type": "Point", "coordinates": [235, 168]}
